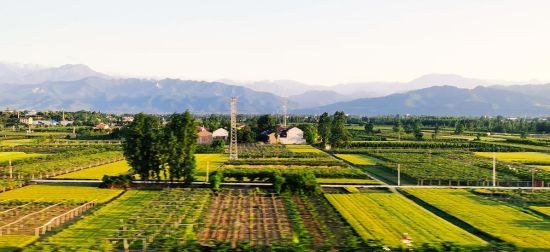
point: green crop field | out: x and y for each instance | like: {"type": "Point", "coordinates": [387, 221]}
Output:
{"type": "Point", "coordinates": [357, 159]}
{"type": "Point", "coordinates": [521, 157]}
{"type": "Point", "coordinates": [496, 218]}
{"type": "Point", "coordinates": [15, 142]}
{"type": "Point", "coordinates": [387, 216]}
{"type": "Point", "coordinates": [302, 148]}
{"type": "Point", "coordinates": [161, 219]}
{"type": "Point", "coordinates": [542, 209]}
{"type": "Point", "coordinates": [55, 193]}
{"type": "Point", "coordinates": [97, 172]}
{"type": "Point", "coordinates": [347, 181]}
{"type": "Point", "coordinates": [6, 156]}
{"type": "Point", "coordinates": [15, 242]}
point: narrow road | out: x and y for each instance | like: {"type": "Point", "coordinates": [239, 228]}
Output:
{"type": "Point", "coordinates": [65, 181]}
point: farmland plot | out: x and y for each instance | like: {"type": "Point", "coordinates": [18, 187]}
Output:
{"type": "Point", "coordinates": [97, 172]}
{"type": "Point", "coordinates": [490, 216]}
{"type": "Point", "coordinates": [387, 216]}
{"type": "Point", "coordinates": [357, 159]}
{"type": "Point", "coordinates": [241, 217]}
{"type": "Point", "coordinates": [57, 193]}
{"type": "Point", "coordinates": [156, 220]}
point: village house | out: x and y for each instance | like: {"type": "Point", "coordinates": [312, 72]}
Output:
{"type": "Point", "coordinates": [220, 133]}
{"type": "Point", "coordinates": [101, 126]}
{"type": "Point", "coordinates": [291, 135]}
{"type": "Point", "coordinates": [204, 136]}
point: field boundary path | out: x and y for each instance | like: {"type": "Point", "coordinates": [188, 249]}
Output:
{"type": "Point", "coordinates": [67, 181]}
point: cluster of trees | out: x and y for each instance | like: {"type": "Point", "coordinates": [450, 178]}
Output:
{"type": "Point", "coordinates": [497, 124]}
{"type": "Point", "coordinates": [332, 130]}
{"type": "Point", "coordinates": [155, 150]}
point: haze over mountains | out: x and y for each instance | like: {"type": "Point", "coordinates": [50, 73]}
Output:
{"type": "Point", "coordinates": [75, 87]}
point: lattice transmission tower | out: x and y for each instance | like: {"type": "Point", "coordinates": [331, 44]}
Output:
{"type": "Point", "coordinates": [233, 152]}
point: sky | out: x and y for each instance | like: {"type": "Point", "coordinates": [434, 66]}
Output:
{"type": "Point", "coordinates": [316, 41]}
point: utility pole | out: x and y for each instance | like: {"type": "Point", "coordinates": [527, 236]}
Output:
{"type": "Point", "coordinates": [11, 170]}
{"type": "Point", "coordinates": [207, 170]}
{"type": "Point", "coordinates": [494, 169]}
{"type": "Point", "coordinates": [532, 180]}
{"type": "Point", "coordinates": [399, 174]}
{"type": "Point", "coordinates": [233, 152]}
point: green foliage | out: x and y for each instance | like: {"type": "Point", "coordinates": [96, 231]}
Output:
{"type": "Point", "coordinates": [339, 135]}
{"type": "Point", "coordinates": [266, 122]}
{"type": "Point", "coordinates": [143, 146]}
{"type": "Point", "coordinates": [246, 135]}
{"type": "Point", "coordinates": [323, 127]}
{"type": "Point", "coordinates": [398, 128]}
{"type": "Point", "coordinates": [181, 141]}
{"type": "Point", "coordinates": [120, 181]}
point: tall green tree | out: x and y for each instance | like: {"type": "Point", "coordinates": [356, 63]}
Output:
{"type": "Point", "coordinates": [339, 135]}
{"type": "Point", "coordinates": [369, 128]}
{"type": "Point", "coordinates": [143, 146]}
{"type": "Point", "coordinates": [398, 128]}
{"type": "Point", "coordinates": [323, 128]}
{"type": "Point", "coordinates": [310, 133]}
{"type": "Point", "coordinates": [181, 141]}
{"type": "Point", "coordinates": [266, 122]}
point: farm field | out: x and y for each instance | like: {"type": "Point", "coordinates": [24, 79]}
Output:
{"type": "Point", "coordinates": [301, 148]}
{"type": "Point", "coordinates": [496, 218]}
{"type": "Point", "coordinates": [236, 216]}
{"type": "Point", "coordinates": [6, 156]}
{"type": "Point", "coordinates": [55, 193]}
{"type": "Point", "coordinates": [97, 172]}
{"type": "Point", "coordinates": [542, 209]}
{"type": "Point", "coordinates": [357, 159]}
{"type": "Point", "coordinates": [388, 216]}
{"type": "Point", "coordinates": [349, 181]}
{"type": "Point", "coordinates": [161, 219]}
{"type": "Point", "coordinates": [521, 157]}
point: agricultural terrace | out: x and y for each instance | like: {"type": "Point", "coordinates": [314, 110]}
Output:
{"type": "Point", "coordinates": [6, 156]}
{"type": "Point", "coordinates": [347, 181]}
{"type": "Point", "coordinates": [441, 167]}
{"type": "Point", "coordinates": [533, 158]}
{"type": "Point", "coordinates": [157, 220]}
{"type": "Point", "coordinates": [213, 160]}
{"type": "Point", "coordinates": [496, 218]}
{"type": "Point", "coordinates": [97, 172]}
{"type": "Point", "coordinates": [260, 150]}
{"type": "Point", "coordinates": [357, 159]}
{"type": "Point", "coordinates": [236, 216]}
{"type": "Point", "coordinates": [319, 171]}
{"type": "Point", "coordinates": [62, 162]}
{"type": "Point", "coordinates": [302, 148]}
{"type": "Point", "coordinates": [58, 193]}
{"type": "Point", "coordinates": [386, 216]}
{"type": "Point", "coordinates": [542, 209]}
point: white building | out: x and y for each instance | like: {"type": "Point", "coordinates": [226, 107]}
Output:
{"type": "Point", "coordinates": [292, 135]}
{"type": "Point", "coordinates": [220, 133]}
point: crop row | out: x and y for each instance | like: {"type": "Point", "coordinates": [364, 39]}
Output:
{"type": "Point", "coordinates": [319, 171]}
{"type": "Point", "coordinates": [493, 217]}
{"type": "Point", "coordinates": [395, 221]}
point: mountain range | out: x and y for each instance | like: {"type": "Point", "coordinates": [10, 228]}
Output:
{"type": "Point", "coordinates": [75, 87]}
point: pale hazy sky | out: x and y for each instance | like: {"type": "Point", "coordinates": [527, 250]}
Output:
{"type": "Point", "coordinates": [317, 42]}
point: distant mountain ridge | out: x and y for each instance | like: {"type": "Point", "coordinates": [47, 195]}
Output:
{"type": "Point", "coordinates": [76, 87]}
{"type": "Point", "coordinates": [446, 100]}
{"type": "Point", "coordinates": [136, 95]}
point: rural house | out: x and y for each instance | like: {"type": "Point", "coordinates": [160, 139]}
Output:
{"type": "Point", "coordinates": [292, 135]}
{"type": "Point", "coordinates": [220, 133]}
{"type": "Point", "coordinates": [204, 136]}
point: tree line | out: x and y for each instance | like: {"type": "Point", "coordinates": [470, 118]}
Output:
{"type": "Point", "coordinates": [156, 150]}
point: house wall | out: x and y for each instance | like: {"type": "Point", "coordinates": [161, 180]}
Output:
{"type": "Point", "coordinates": [293, 136]}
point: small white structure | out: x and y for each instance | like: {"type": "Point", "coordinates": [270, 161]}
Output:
{"type": "Point", "coordinates": [292, 135]}
{"type": "Point", "coordinates": [220, 133]}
